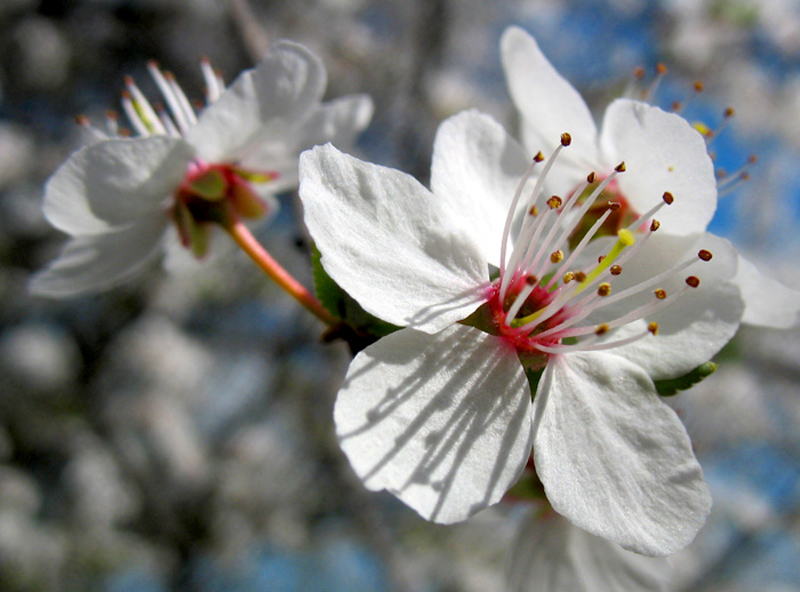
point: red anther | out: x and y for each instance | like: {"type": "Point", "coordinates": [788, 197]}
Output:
{"type": "Point", "coordinates": [705, 255]}
{"type": "Point", "coordinates": [693, 281]}
{"type": "Point", "coordinates": [668, 198]}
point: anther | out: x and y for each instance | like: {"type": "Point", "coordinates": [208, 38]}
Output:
{"type": "Point", "coordinates": [600, 258]}
{"type": "Point", "coordinates": [531, 280]}
{"type": "Point", "coordinates": [604, 289]}
{"type": "Point", "coordinates": [580, 276]}
{"type": "Point", "coordinates": [638, 72]}
{"type": "Point", "coordinates": [616, 269]}
{"type": "Point", "coordinates": [698, 86]}
{"type": "Point", "coordinates": [620, 168]}
{"type": "Point", "coordinates": [654, 225]}
{"type": "Point", "coordinates": [614, 205]}
{"type": "Point", "coordinates": [539, 157]}
{"type": "Point", "coordinates": [566, 139]}
{"type": "Point", "coordinates": [557, 256]}
{"type": "Point", "coordinates": [602, 329]}
{"type": "Point", "coordinates": [752, 159]}
{"type": "Point", "coordinates": [729, 112]}
{"type": "Point", "coordinates": [591, 177]}
{"type": "Point", "coordinates": [668, 198]}
{"type": "Point", "coordinates": [568, 277]}
{"type": "Point", "coordinates": [705, 255]}
{"type": "Point", "coordinates": [693, 281]}
{"type": "Point", "coordinates": [555, 202]}
{"type": "Point", "coordinates": [534, 211]}
{"type": "Point", "coordinates": [82, 120]}
{"type": "Point", "coordinates": [661, 69]}
{"type": "Point", "coordinates": [660, 293]}
{"type": "Point", "coordinates": [653, 328]}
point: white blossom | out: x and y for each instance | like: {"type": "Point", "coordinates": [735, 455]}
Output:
{"type": "Point", "coordinates": [121, 198]}
{"type": "Point", "coordinates": [439, 413]}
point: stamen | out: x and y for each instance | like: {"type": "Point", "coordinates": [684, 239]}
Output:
{"type": "Point", "coordinates": [513, 209]}
{"type": "Point", "coordinates": [185, 105]}
{"type": "Point", "coordinates": [693, 281]}
{"type": "Point", "coordinates": [660, 293]}
{"type": "Point", "coordinates": [169, 95]}
{"type": "Point", "coordinates": [504, 266]}
{"type": "Point", "coordinates": [146, 113]}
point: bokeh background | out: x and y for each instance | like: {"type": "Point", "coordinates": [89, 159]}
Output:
{"type": "Point", "coordinates": [175, 433]}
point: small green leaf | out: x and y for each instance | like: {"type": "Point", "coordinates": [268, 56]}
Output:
{"type": "Point", "coordinates": [341, 305]}
{"type": "Point", "coordinates": [670, 387]}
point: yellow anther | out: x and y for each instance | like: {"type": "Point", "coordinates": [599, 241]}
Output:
{"type": "Point", "coordinates": [554, 202]}
{"type": "Point", "coordinates": [604, 289]}
{"type": "Point", "coordinates": [556, 256]}
{"type": "Point", "coordinates": [568, 277]}
{"type": "Point", "coordinates": [602, 329]}
{"type": "Point", "coordinates": [653, 328]}
{"type": "Point", "coordinates": [660, 293]}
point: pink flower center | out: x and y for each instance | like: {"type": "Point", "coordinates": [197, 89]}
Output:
{"type": "Point", "coordinates": [552, 296]}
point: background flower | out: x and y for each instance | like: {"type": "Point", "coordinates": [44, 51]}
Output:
{"type": "Point", "coordinates": [118, 196]}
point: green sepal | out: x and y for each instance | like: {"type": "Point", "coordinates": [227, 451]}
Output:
{"type": "Point", "coordinates": [672, 386]}
{"type": "Point", "coordinates": [210, 185]}
{"type": "Point", "coordinates": [343, 306]}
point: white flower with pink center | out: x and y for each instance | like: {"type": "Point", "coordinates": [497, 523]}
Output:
{"type": "Point", "coordinates": [636, 132]}
{"type": "Point", "coordinates": [120, 197]}
{"type": "Point", "coordinates": [487, 276]}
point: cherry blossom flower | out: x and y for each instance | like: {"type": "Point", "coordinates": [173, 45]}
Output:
{"type": "Point", "coordinates": [548, 104]}
{"type": "Point", "coordinates": [549, 554]}
{"type": "Point", "coordinates": [439, 413]}
{"type": "Point", "coordinates": [121, 199]}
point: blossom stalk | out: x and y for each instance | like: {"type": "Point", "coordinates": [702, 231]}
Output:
{"type": "Point", "coordinates": [276, 272]}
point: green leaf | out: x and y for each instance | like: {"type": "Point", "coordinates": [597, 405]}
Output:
{"type": "Point", "coordinates": [341, 305]}
{"type": "Point", "coordinates": [672, 386]}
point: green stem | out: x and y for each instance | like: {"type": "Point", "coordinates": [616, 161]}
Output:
{"type": "Point", "coordinates": [242, 236]}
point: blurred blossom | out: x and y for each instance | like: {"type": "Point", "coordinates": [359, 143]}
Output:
{"type": "Point", "coordinates": [119, 197]}
{"type": "Point", "coordinates": [550, 554]}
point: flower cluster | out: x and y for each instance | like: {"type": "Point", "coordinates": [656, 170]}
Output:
{"type": "Point", "coordinates": [541, 288]}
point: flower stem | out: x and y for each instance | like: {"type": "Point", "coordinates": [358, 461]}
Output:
{"type": "Point", "coordinates": [242, 236]}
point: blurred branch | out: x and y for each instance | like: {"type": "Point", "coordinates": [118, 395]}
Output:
{"type": "Point", "coordinates": [254, 36]}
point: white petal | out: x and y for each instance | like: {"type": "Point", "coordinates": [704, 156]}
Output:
{"type": "Point", "coordinates": [662, 152]}
{"type": "Point", "coordinates": [476, 169]}
{"type": "Point", "coordinates": [550, 554]}
{"type": "Point", "coordinates": [613, 458]}
{"type": "Point", "coordinates": [695, 326]}
{"type": "Point", "coordinates": [261, 104]}
{"type": "Point", "coordinates": [768, 303]}
{"type": "Point", "coordinates": [441, 421]}
{"type": "Point", "coordinates": [387, 241]}
{"type": "Point", "coordinates": [338, 122]}
{"type": "Point", "coordinates": [113, 183]}
{"type": "Point", "coordinates": [549, 106]}
{"type": "Point", "coordinates": [93, 263]}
